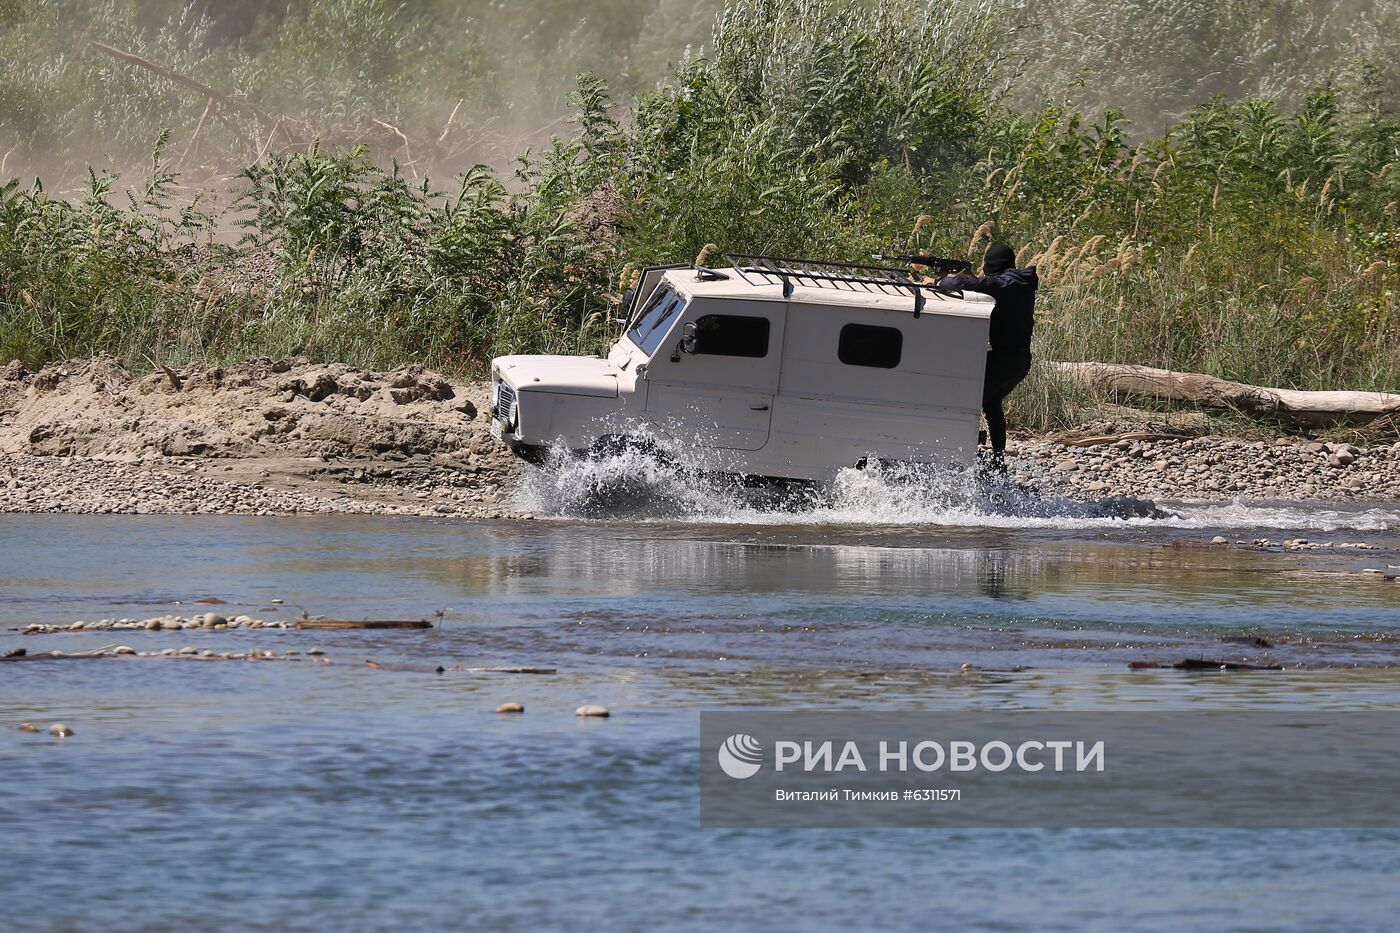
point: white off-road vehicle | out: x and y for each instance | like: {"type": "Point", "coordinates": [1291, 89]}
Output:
{"type": "Point", "coordinates": [780, 368]}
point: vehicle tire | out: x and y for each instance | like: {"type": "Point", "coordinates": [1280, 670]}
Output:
{"type": "Point", "coordinates": [615, 445]}
{"type": "Point", "coordinates": [533, 454]}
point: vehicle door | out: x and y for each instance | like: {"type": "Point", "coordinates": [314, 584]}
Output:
{"type": "Point", "coordinates": [714, 376]}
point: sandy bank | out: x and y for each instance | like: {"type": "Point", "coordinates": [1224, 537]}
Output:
{"type": "Point", "coordinates": [262, 437]}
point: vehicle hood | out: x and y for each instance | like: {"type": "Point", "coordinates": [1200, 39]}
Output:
{"type": "Point", "coordinates": [562, 375]}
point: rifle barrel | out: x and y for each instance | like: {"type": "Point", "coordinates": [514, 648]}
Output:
{"type": "Point", "coordinates": [933, 262]}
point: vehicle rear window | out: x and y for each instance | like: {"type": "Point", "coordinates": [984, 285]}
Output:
{"type": "Point", "coordinates": [731, 335]}
{"type": "Point", "coordinates": [656, 319]}
{"type": "Point", "coordinates": [868, 345]}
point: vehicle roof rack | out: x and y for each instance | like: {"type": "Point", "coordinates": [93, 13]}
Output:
{"type": "Point", "coordinates": [843, 276]}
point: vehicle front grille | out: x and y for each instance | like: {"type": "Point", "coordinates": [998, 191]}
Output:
{"type": "Point", "coordinates": [505, 403]}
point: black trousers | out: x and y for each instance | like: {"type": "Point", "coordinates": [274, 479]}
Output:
{"type": "Point", "coordinates": [1004, 373]}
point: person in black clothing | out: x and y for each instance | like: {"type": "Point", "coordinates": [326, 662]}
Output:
{"type": "Point", "coordinates": [1013, 319]}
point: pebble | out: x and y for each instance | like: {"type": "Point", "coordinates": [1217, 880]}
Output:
{"type": "Point", "coordinates": [520, 708]}
{"type": "Point", "coordinates": [59, 729]}
{"type": "Point", "coordinates": [1219, 539]}
{"type": "Point", "coordinates": [599, 711]}
{"type": "Point", "coordinates": [123, 649]}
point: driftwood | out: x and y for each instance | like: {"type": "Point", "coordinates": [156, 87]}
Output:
{"type": "Point", "coordinates": [1201, 664]}
{"type": "Point", "coordinates": [1099, 439]}
{"type": "Point", "coordinates": [52, 656]}
{"type": "Point", "coordinates": [513, 670]}
{"type": "Point", "coordinates": [368, 623]}
{"type": "Point", "coordinates": [1304, 408]}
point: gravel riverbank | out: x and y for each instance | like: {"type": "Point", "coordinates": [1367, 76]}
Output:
{"type": "Point", "coordinates": [1208, 468]}
{"type": "Point", "coordinates": [272, 437]}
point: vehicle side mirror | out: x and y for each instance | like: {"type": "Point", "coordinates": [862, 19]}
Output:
{"type": "Point", "coordinates": [690, 339]}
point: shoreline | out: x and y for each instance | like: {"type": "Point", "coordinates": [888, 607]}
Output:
{"type": "Point", "coordinates": [83, 486]}
{"type": "Point", "coordinates": [290, 437]}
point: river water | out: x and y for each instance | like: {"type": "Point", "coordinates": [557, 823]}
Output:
{"type": "Point", "coordinates": [303, 795]}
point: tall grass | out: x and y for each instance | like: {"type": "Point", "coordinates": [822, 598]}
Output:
{"type": "Point", "coordinates": [1251, 239]}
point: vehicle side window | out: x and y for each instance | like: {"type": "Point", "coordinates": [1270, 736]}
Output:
{"type": "Point", "coordinates": [655, 320]}
{"type": "Point", "coordinates": [731, 335]}
{"type": "Point", "coordinates": [868, 345]}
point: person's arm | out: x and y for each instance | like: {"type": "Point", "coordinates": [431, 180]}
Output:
{"type": "Point", "coordinates": [986, 284]}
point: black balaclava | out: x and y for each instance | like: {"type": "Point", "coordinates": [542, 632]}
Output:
{"type": "Point", "coordinates": [998, 259]}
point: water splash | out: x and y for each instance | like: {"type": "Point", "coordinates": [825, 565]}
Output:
{"type": "Point", "coordinates": [635, 484]}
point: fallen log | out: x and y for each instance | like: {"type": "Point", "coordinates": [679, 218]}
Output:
{"type": "Point", "coordinates": [1100, 439]}
{"type": "Point", "coordinates": [1202, 664]}
{"type": "Point", "coordinates": [51, 656]}
{"type": "Point", "coordinates": [1297, 406]}
{"type": "Point", "coordinates": [365, 623]}
{"type": "Point", "coordinates": [513, 670]}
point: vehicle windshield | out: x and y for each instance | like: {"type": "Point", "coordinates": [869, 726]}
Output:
{"type": "Point", "coordinates": [656, 318]}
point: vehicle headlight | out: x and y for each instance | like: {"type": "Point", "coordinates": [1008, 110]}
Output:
{"type": "Point", "coordinates": [495, 406]}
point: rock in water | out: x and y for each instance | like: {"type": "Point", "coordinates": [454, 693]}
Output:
{"type": "Point", "coordinates": [28, 727]}
{"type": "Point", "coordinates": [59, 729]}
{"type": "Point", "coordinates": [511, 708]}
{"type": "Point", "coordinates": [599, 711]}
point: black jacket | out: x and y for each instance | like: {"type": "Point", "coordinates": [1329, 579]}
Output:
{"type": "Point", "coordinates": [1013, 317]}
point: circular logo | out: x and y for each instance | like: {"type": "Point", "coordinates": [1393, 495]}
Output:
{"type": "Point", "coordinates": [740, 756]}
